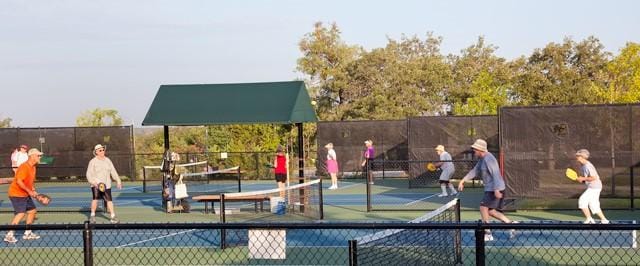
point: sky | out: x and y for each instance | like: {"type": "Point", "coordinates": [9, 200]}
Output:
{"type": "Point", "coordinates": [60, 58]}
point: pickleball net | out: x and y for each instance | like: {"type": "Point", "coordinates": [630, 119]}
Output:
{"type": "Point", "coordinates": [415, 246]}
{"type": "Point", "coordinates": [198, 178]}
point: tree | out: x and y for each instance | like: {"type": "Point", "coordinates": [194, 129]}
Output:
{"type": "Point", "coordinates": [324, 61]}
{"type": "Point", "coordinates": [405, 78]}
{"type": "Point", "coordinates": [563, 73]}
{"type": "Point", "coordinates": [481, 80]}
{"type": "Point", "coordinates": [488, 96]}
{"type": "Point", "coordinates": [6, 122]}
{"type": "Point", "coordinates": [99, 117]}
{"type": "Point", "coordinates": [624, 77]}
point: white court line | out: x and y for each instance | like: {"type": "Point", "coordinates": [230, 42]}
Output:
{"type": "Point", "coordinates": [416, 201]}
{"type": "Point", "coordinates": [120, 203]}
{"type": "Point", "coordinates": [155, 238]}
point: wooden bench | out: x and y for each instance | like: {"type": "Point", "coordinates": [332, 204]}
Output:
{"type": "Point", "coordinates": [257, 199]}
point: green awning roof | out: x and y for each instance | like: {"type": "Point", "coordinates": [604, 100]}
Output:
{"type": "Point", "coordinates": [237, 103]}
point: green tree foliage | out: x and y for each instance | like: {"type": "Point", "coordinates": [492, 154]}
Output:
{"type": "Point", "coordinates": [402, 79]}
{"type": "Point", "coordinates": [325, 59]}
{"type": "Point", "coordinates": [624, 77]}
{"type": "Point", "coordinates": [99, 117]}
{"type": "Point", "coordinates": [6, 122]}
{"type": "Point", "coordinates": [487, 95]}
{"type": "Point", "coordinates": [405, 78]}
{"type": "Point", "coordinates": [481, 80]}
{"type": "Point", "coordinates": [564, 73]}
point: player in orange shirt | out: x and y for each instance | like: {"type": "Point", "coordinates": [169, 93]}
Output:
{"type": "Point", "coordinates": [20, 193]}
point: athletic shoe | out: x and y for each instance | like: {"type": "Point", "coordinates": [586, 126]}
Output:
{"type": "Point", "coordinates": [512, 232]}
{"type": "Point", "coordinates": [442, 195]}
{"type": "Point", "coordinates": [92, 219]}
{"type": "Point", "coordinates": [589, 221]}
{"type": "Point", "coordinates": [114, 220]}
{"type": "Point", "coordinates": [10, 239]}
{"type": "Point", "coordinates": [605, 221]}
{"type": "Point", "coordinates": [453, 193]}
{"type": "Point", "coordinates": [488, 237]}
{"type": "Point", "coordinates": [30, 236]}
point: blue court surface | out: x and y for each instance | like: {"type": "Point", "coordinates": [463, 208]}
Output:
{"type": "Point", "coordinates": [348, 194]}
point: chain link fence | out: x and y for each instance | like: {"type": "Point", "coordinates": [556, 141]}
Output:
{"type": "Point", "coordinates": [534, 243]}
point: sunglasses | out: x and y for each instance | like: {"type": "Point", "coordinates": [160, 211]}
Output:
{"type": "Point", "coordinates": [100, 150]}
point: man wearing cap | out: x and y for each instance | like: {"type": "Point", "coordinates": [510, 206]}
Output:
{"type": "Point", "coordinates": [447, 171]}
{"type": "Point", "coordinates": [368, 155]}
{"type": "Point", "coordinates": [101, 170]}
{"type": "Point", "coordinates": [493, 200]}
{"type": "Point", "coordinates": [20, 192]}
{"type": "Point", "coordinates": [590, 198]}
{"type": "Point", "coordinates": [20, 157]}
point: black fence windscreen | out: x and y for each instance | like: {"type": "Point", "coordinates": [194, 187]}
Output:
{"type": "Point", "coordinates": [389, 140]}
{"type": "Point", "coordinates": [538, 144]}
{"type": "Point", "coordinates": [455, 133]}
{"type": "Point", "coordinates": [67, 150]}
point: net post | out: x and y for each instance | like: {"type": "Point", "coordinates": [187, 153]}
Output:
{"type": "Point", "coordinates": [479, 234]}
{"type": "Point", "coordinates": [87, 237]}
{"type": "Point", "coordinates": [144, 180]}
{"type": "Point", "coordinates": [321, 199]}
{"type": "Point", "coordinates": [368, 181]}
{"type": "Point", "coordinates": [353, 253]}
{"type": "Point", "coordinates": [223, 233]}
{"type": "Point", "coordinates": [458, 234]}
{"type": "Point", "coordinates": [239, 182]}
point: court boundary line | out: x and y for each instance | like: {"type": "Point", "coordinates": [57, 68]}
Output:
{"type": "Point", "coordinates": [156, 238]}
{"type": "Point", "coordinates": [419, 200]}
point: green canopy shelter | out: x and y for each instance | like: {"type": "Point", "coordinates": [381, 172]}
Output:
{"type": "Point", "coordinates": [284, 102]}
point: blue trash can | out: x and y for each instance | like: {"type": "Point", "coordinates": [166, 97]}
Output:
{"type": "Point", "coordinates": [281, 208]}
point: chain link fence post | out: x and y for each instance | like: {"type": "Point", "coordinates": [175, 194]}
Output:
{"type": "Point", "coordinates": [87, 237]}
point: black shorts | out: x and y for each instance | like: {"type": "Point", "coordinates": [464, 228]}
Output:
{"type": "Point", "coordinates": [281, 178]}
{"type": "Point", "coordinates": [22, 204]}
{"type": "Point", "coordinates": [490, 201]}
{"type": "Point", "coordinates": [96, 194]}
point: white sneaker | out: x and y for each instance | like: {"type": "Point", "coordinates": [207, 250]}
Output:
{"type": "Point", "coordinates": [605, 221]}
{"type": "Point", "coordinates": [92, 219]}
{"type": "Point", "coordinates": [512, 232]}
{"type": "Point", "coordinates": [454, 193]}
{"type": "Point", "coordinates": [30, 236]}
{"type": "Point", "coordinates": [10, 239]}
{"type": "Point", "coordinates": [114, 220]}
{"type": "Point", "coordinates": [442, 195]}
{"type": "Point", "coordinates": [589, 221]}
{"type": "Point", "coordinates": [488, 237]}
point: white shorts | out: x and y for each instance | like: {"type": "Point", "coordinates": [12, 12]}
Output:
{"type": "Point", "coordinates": [590, 198]}
{"type": "Point", "coordinates": [447, 174]}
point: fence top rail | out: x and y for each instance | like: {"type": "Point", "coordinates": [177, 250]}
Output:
{"type": "Point", "coordinates": [421, 161]}
{"type": "Point", "coordinates": [623, 225]}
